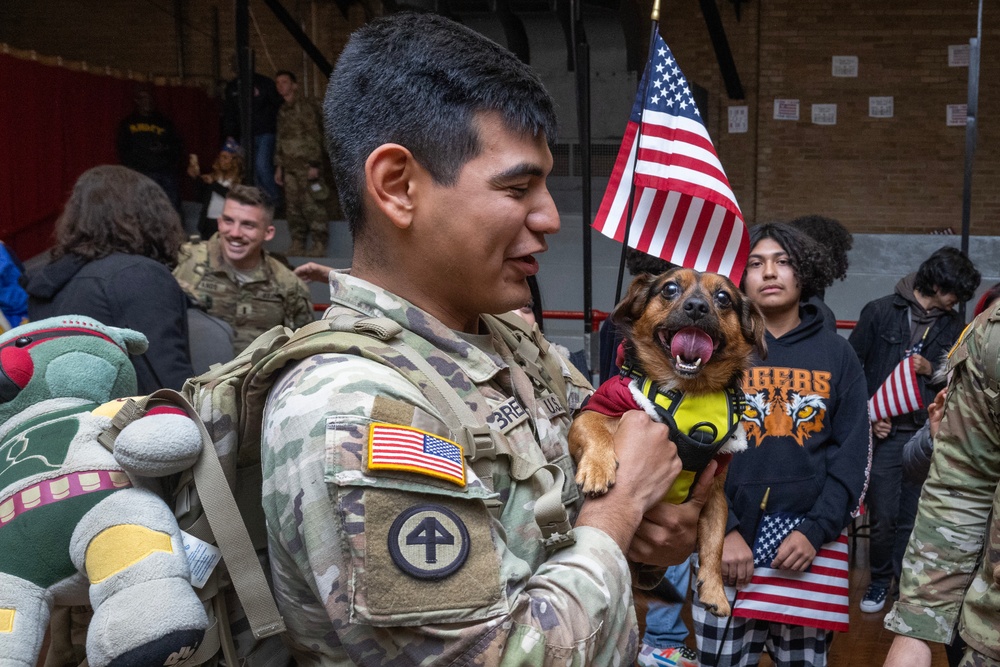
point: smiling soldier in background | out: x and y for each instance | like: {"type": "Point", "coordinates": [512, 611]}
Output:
{"type": "Point", "coordinates": [232, 277]}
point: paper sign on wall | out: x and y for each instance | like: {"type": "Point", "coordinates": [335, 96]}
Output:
{"type": "Point", "coordinates": [956, 115]}
{"type": "Point", "coordinates": [845, 66]}
{"type": "Point", "coordinates": [880, 107]}
{"type": "Point", "coordinates": [824, 114]}
{"type": "Point", "coordinates": [786, 109]}
{"type": "Point", "coordinates": [958, 55]}
{"type": "Point", "coordinates": [739, 119]}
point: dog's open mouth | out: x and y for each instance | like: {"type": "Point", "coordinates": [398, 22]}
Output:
{"type": "Point", "coordinates": [690, 348]}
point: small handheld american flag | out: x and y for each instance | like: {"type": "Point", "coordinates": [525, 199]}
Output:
{"type": "Point", "coordinates": [898, 395]}
{"type": "Point", "coordinates": [684, 210]}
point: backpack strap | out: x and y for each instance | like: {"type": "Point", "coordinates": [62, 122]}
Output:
{"type": "Point", "coordinates": [220, 507]}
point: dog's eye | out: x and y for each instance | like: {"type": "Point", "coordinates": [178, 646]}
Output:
{"type": "Point", "coordinates": [722, 298]}
{"type": "Point", "coordinates": [671, 290]}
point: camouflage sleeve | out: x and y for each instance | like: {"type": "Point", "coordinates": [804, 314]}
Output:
{"type": "Point", "coordinates": [940, 566]}
{"type": "Point", "coordinates": [342, 576]}
{"type": "Point", "coordinates": [298, 306]}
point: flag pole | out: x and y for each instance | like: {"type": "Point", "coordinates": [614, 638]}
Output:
{"type": "Point", "coordinates": [655, 17]}
{"type": "Point", "coordinates": [732, 605]}
{"type": "Point", "coordinates": [972, 113]}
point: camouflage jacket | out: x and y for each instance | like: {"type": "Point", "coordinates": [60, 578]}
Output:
{"type": "Point", "coordinates": [400, 567]}
{"type": "Point", "coordinates": [273, 296]}
{"type": "Point", "coordinates": [951, 570]}
{"type": "Point", "coordinates": [300, 135]}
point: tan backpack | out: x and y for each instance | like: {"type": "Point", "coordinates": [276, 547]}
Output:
{"type": "Point", "coordinates": [218, 500]}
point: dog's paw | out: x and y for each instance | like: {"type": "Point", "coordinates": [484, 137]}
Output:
{"type": "Point", "coordinates": [595, 475]}
{"type": "Point", "coordinates": [713, 597]}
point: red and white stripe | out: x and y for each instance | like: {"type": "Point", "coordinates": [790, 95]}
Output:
{"type": "Point", "coordinates": [819, 598]}
{"type": "Point", "coordinates": [898, 395]}
{"type": "Point", "coordinates": [684, 210]}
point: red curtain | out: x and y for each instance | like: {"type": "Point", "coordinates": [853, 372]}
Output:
{"type": "Point", "coordinates": [55, 123]}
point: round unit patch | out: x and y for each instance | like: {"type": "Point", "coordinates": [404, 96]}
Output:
{"type": "Point", "coordinates": [428, 542]}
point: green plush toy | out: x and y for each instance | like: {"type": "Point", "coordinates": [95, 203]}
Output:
{"type": "Point", "coordinates": [77, 520]}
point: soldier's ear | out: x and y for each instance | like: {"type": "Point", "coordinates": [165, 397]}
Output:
{"type": "Point", "coordinates": [390, 171]}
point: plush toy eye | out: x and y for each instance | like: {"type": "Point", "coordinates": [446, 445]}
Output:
{"type": "Point", "coordinates": [723, 299]}
{"type": "Point", "coordinates": [671, 290]}
{"type": "Point", "coordinates": [23, 341]}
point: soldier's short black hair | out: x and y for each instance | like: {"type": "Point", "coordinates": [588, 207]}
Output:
{"type": "Point", "coordinates": [950, 271]}
{"type": "Point", "coordinates": [418, 80]}
{"type": "Point", "coordinates": [249, 195]}
{"type": "Point", "coordinates": [810, 261]}
{"type": "Point", "coordinates": [288, 73]}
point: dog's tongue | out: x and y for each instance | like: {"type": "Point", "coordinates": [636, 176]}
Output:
{"type": "Point", "coordinates": [692, 343]}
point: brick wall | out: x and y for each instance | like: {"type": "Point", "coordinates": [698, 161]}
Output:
{"type": "Point", "coordinates": [898, 175]}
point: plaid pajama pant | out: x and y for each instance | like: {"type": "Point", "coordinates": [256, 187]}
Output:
{"type": "Point", "coordinates": [788, 645]}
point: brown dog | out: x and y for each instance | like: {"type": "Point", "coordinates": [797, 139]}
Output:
{"type": "Point", "coordinates": [687, 340]}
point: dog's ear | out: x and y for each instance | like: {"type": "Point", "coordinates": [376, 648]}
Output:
{"type": "Point", "coordinates": [752, 325]}
{"type": "Point", "coordinates": [633, 305]}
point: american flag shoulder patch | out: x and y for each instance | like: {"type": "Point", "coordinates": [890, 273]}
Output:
{"type": "Point", "coordinates": [396, 447]}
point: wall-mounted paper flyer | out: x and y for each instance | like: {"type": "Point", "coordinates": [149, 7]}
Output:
{"type": "Point", "coordinates": [824, 114]}
{"type": "Point", "coordinates": [786, 109]}
{"type": "Point", "coordinates": [739, 119]}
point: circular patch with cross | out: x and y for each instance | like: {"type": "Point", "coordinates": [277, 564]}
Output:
{"type": "Point", "coordinates": [428, 542]}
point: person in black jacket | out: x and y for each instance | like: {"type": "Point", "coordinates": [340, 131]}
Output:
{"type": "Point", "coordinates": [917, 319]}
{"type": "Point", "coordinates": [148, 143]}
{"type": "Point", "coordinates": [115, 242]}
{"type": "Point", "coordinates": [265, 103]}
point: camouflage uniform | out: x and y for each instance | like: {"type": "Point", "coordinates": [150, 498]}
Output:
{"type": "Point", "coordinates": [944, 582]}
{"type": "Point", "coordinates": [272, 296]}
{"type": "Point", "coordinates": [348, 597]}
{"type": "Point", "coordinates": [299, 146]}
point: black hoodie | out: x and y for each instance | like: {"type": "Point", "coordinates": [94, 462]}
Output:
{"type": "Point", "coordinates": [120, 290]}
{"type": "Point", "coordinates": [808, 434]}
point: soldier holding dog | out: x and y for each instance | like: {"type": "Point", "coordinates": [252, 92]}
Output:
{"type": "Point", "coordinates": [439, 140]}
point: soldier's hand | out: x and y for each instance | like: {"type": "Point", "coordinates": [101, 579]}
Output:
{"type": "Point", "coordinates": [279, 177]}
{"type": "Point", "coordinates": [647, 459]}
{"type": "Point", "coordinates": [314, 272]}
{"type": "Point", "coordinates": [935, 411]}
{"type": "Point", "coordinates": [668, 532]}
{"type": "Point", "coordinates": [647, 467]}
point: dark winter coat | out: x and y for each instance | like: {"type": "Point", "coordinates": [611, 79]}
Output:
{"type": "Point", "coordinates": [120, 290]}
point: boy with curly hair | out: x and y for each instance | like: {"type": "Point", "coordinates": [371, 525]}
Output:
{"type": "Point", "coordinates": [804, 472]}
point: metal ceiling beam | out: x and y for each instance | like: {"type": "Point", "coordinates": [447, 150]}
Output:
{"type": "Point", "coordinates": [717, 33]}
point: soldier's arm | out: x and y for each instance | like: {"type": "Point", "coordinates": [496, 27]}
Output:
{"type": "Point", "coordinates": [940, 565]}
{"type": "Point", "coordinates": [352, 546]}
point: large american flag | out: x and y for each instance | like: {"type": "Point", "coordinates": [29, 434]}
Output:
{"type": "Point", "coordinates": [684, 210]}
{"type": "Point", "coordinates": [817, 598]}
{"type": "Point", "coordinates": [898, 395]}
{"type": "Point", "coordinates": [395, 447]}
